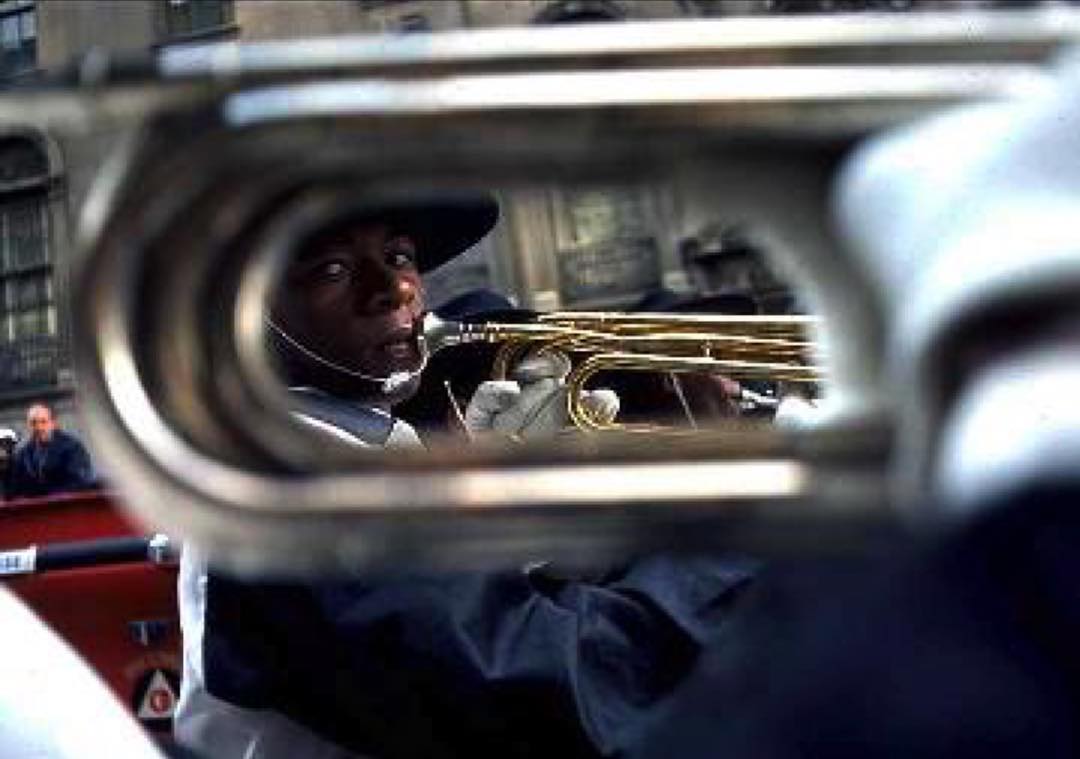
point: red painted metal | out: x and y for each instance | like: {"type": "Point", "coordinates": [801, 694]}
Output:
{"type": "Point", "coordinates": [60, 518]}
{"type": "Point", "coordinates": [93, 608]}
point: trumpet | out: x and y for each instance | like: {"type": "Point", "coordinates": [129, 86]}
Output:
{"type": "Point", "coordinates": [774, 348]}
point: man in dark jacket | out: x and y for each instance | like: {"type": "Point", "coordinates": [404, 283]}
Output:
{"type": "Point", "coordinates": [51, 461]}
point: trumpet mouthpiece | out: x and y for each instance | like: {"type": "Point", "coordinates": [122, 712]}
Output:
{"type": "Point", "coordinates": [438, 333]}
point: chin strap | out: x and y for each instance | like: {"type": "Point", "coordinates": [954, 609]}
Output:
{"type": "Point", "coordinates": [388, 385]}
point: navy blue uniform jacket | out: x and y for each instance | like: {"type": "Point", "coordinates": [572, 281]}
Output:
{"type": "Point", "coordinates": [969, 647]}
{"type": "Point", "coordinates": [514, 664]}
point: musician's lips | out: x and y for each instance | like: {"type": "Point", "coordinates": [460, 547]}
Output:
{"type": "Point", "coordinates": [404, 349]}
{"type": "Point", "coordinates": [402, 344]}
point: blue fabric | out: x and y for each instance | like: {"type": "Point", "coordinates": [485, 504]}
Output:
{"type": "Point", "coordinates": [62, 466]}
{"type": "Point", "coordinates": [514, 664]}
{"type": "Point", "coordinates": [368, 425]}
{"type": "Point", "coordinates": [965, 648]}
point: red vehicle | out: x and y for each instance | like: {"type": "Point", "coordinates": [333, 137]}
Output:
{"type": "Point", "coordinates": [105, 585]}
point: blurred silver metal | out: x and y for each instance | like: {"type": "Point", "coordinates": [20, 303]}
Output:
{"type": "Point", "coordinates": [242, 150]}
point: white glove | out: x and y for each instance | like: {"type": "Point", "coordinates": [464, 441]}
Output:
{"type": "Point", "coordinates": [532, 405]}
{"type": "Point", "coordinates": [795, 412]}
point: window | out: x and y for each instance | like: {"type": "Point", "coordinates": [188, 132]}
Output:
{"type": "Point", "coordinates": [607, 251]}
{"type": "Point", "coordinates": [605, 214]}
{"type": "Point", "coordinates": [29, 347]}
{"type": "Point", "coordinates": [26, 303]}
{"type": "Point", "coordinates": [192, 18]}
{"type": "Point", "coordinates": [18, 38]}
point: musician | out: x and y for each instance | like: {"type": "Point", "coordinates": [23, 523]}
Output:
{"type": "Point", "coordinates": [525, 662]}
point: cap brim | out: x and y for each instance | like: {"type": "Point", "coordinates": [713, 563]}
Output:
{"type": "Point", "coordinates": [442, 226]}
{"type": "Point", "coordinates": [446, 227]}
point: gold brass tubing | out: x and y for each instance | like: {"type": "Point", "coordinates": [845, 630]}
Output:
{"type": "Point", "coordinates": [657, 317]}
{"type": "Point", "coordinates": [703, 343]}
{"type": "Point", "coordinates": [492, 332]}
{"type": "Point", "coordinates": [577, 379]}
{"type": "Point", "coordinates": [657, 342]}
{"type": "Point", "coordinates": [797, 326]}
{"type": "Point", "coordinates": [688, 345]}
{"type": "Point", "coordinates": [773, 348]}
{"type": "Point", "coordinates": [613, 331]}
{"type": "Point", "coordinates": [556, 337]}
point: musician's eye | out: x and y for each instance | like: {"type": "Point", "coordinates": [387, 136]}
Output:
{"type": "Point", "coordinates": [330, 270]}
{"type": "Point", "coordinates": [400, 252]}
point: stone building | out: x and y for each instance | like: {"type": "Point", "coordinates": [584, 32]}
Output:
{"type": "Point", "coordinates": [556, 247]}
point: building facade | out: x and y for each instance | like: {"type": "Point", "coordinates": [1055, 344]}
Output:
{"type": "Point", "coordinates": [596, 246]}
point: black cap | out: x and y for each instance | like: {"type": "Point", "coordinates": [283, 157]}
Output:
{"type": "Point", "coordinates": [443, 226]}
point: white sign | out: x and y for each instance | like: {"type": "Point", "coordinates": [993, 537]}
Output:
{"type": "Point", "coordinates": [21, 561]}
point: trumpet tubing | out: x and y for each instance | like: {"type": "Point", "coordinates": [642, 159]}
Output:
{"type": "Point", "coordinates": [780, 326]}
{"type": "Point", "coordinates": [766, 337]}
{"type": "Point", "coordinates": [740, 347]}
{"type": "Point", "coordinates": [576, 381]}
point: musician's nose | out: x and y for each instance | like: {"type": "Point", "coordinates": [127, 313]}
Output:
{"type": "Point", "coordinates": [381, 288]}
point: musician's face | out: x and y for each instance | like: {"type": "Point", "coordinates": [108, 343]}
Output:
{"type": "Point", "coordinates": [356, 299]}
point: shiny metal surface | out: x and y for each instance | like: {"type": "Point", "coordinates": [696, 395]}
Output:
{"type": "Point", "coordinates": [241, 150]}
{"type": "Point", "coordinates": [742, 348]}
{"type": "Point", "coordinates": [876, 38]}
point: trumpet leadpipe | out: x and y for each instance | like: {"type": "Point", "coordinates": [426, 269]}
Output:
{"type": "Point", "coordinates": [793, 326]}
{"type": "Point", "coordinates": [438, 333]}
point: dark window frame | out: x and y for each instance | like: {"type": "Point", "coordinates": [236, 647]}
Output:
{"type": "Point", "coordinates": [25, 54]}
{"type": "Point", "coordinates": [31, 351]}
{"type": "Point", "coordinates": [169, 34]}
{"type": "Point", "coordinates": [367, 5]}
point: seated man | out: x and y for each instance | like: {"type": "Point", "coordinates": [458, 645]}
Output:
{"type": "Point", "coordinates": [50, 461]}
{"type": "Point", "coordinates": [515, 663]}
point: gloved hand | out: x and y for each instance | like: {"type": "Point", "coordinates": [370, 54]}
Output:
{"type": "Point", "coordinates": [796, 412]}
{"type": "Point", "coordinates": [532, 404]}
